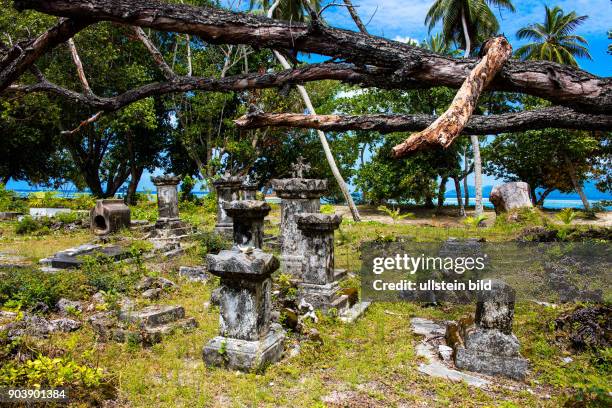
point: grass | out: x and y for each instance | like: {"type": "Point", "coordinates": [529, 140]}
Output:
{"type": "Point", "coordinates": [372, 362]}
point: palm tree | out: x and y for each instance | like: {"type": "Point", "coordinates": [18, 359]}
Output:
{"type": "Point", "coordinates": [288, 10]}
{"type": "Point", "coordinates": [553, 40]}
{"type": "Point", "coordinates": [465, 22]}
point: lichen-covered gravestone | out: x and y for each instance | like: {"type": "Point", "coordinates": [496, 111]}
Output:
{"type": "Point", "coordinates": [167, 197]}
{"type": "Point", "coordinates": [506, 197]}
{"type": "Point", "coordinates": [247, 340]}
{"type": "Point", "coordinates": [298, 195]}
{"type": "Point", "coordinates": [228, 189]}
{"type": "Point", "coordinates": [319, 285]}
{"type": "Point", "coordinates": [169, 229]}
{"type": "Point", "coordinates": [248, 221]}
{"type": "Point", "coordinates": [487, 345]}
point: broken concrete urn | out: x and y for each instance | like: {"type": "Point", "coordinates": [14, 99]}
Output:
{"type": "Point", "coordinates": [167, 197]}
{"type": "Point", "coordinates": [248, 221]}
{"type": "Point", "coordinates": [247, 339]}
{"type": "Point", "coordinates": [506, 197]}
{"type": "Point", "coordinates": [109, 216]}
{"type": "Point", "coordinates": [228, 189]}
{"type": "Point", "coordinates": [486, 344]}
{"type": "Point", "coordinates": [298, 195]}
{"type": "Point", "coordinates": [319, 285]}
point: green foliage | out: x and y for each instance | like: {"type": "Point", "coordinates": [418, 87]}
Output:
{"type": "Point", "coordinates": [103, 274]}
{"type": "Point", "coordinates": [25, 287]}
{"type": "Point", "coordinates": [474, 222]}
{"type": "Point", "coordinates": [480, 20]}
{"type": "Point", "coordinates": [9, 201]}
{"type": "Point", "coordinates": [51, 199]}
{"type": "Point", "coordinates": [566, 215]}
{"type": "Point", "coordinates": [212, 243]}
{"type": "Point", "coordinates": [395, 213]}
{"type": "Point", "coordinates": [554, 40]}
{"type": "Point", "coordinates": [187, 185]}
{"type": "Point", "coordinates": [327, 209]}
{"type": "Point", "coordinates": [28, 225]}
{"type": "Point", "coordinates": [539, 158]}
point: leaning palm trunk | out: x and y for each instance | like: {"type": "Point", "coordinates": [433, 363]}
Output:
{"type": "Point", "coordinates": [328, 154]}
{"type": "Point", "coordinates": [478, 209]}
{"type": "Point", "coordinates": [577, 184]}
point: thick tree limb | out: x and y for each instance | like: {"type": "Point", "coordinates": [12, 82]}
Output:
{"type": "Point", "coordinates": [444, 130]}
{"type": "Point", "coordinates": [355, 16]}
{"type": "Point", "coordinates": [22, 56]}
{"type": "Point", "coordinates": [315, 72]}
{"type": "Point", "coordinates": [553, 117]}
{"type": "Point", "coordinates": [560, 84]}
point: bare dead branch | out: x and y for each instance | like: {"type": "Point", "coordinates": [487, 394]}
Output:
{"type": "Point", "coordinates": [79, 67]}
{"type": "Point", "coordinates": [157, 56]}
{"type": "Point", "coordinates": [86, 122]}
{"type": "Point", "coordinates": [450, 124]}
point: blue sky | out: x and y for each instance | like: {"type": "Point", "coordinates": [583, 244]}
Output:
{"type": "Point", "coordinates": [402, 20]}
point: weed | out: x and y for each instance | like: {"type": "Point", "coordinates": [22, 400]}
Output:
{"type": "Point", "coordinates": [395, 213]}
{"type": "Point", "coordinates": [566, 215]}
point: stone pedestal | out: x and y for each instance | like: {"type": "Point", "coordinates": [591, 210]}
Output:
{"type": "Point", "coordinates": [228, 189]}
{"type": "Point", "coordinates": [167, 197]}
{"type": "Point", "coordinates": [298, 195]}
{"type": "Point", "coordinates": [486, 343]}
{"type": "Point", "coordinates": [109, 216]}
{"type": "Point", "coordinates": [508, 196]}
{"type": "Point", "coordinates": [319, 285]}
{"type": "Point", "coordinates": [249, 191]}
{"type": "Point", "coordinates": [248, 218]}
{"type": "Point", "coordinates": [247, 340]}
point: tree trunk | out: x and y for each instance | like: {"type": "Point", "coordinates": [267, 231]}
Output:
{"type": "Point", "coordinates": [459, 198]}
{"type": "Point", "coordinates": [540, 201]}
{"type": "Point", "coordinates": [322, 138]}
{"type": "Point", "coordinates": [135, 177]}
{"type": "Point", "coordinates": [478, 207]}
{"type": "Point", "coordinates": [442, 192]}
{"type": "Point", "coordinates": [577, 184]}
{"type": "Point", "coordinates": [466, 169]}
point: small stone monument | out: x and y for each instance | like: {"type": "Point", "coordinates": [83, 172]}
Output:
{"type": "Point", "coordinates": [319, 285]}
{"type": "Point", "coordinates": [298, 195]}
{"type": "Point", "coordinates": [248, 218]}
{"type": "Point", "coordinates": [109, 216]}
{"type": "Point", "coordinates": [169, 229]}
{"type": "Point", "coordinates": [167, 197]}
{"type": "Point", "coordinates": [249, 190]}
{"type": "Point", "coordinates": [486, 344]}
{"type": "Point", "coordinates": [247, 340]}
{"type": "Point", "coordinates": [508, 196]}
{"type": "Point", "coordinates": [228, 189]}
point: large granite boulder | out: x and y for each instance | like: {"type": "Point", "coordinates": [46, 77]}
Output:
{"type": "Point", "coordinates": [508, 196]}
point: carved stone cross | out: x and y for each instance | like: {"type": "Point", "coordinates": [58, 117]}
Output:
{"type": "Point", "coordinates": [300, 167]}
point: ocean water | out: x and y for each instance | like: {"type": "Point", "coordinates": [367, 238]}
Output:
{"type": "Point", "coordinates": [549, 203]}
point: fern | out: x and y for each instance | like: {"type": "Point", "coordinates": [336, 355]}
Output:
{"type": "Point", "coordinates": [395, 213]}
{"type": "Point", "coordinates": [566, 215]}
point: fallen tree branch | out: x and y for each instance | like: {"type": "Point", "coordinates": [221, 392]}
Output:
{"type": "Point", "coordinates": [315, 72]}
{"type": "Point", "coordinates": [20, 57]}
{"type": "Point", "coordinates": [554, 117]}
{"type": "Point", "coordinates": [560, 84]}
{"type": "Point", "coordinates": [444, 130]}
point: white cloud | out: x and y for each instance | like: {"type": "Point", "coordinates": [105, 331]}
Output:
{"type": "Point", "coordinates": [406, 40]}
